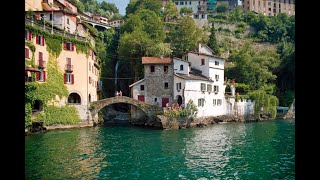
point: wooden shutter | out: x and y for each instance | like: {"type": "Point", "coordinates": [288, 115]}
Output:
{"type": "Point", "coordinates": [44, 75]}
{"type": "Point", "coordinates": [30, 35]}
{"type": "Point", "coordinates": [65, 78]}
{"type": "Point", "coordinates": [72, 46]}
{"type": "Point", "coordinates": [72, 78]}
{"type": "Point", "coordinates": [37, 39]}
{"type": "Point", "coordinates": [40, 56]}
{"type": "Point", "coordinates": [26, 52]}
{"type": "Point", "coordinates": [64, 45]}
{"type": "Point", "coordinates": [42, 40]}
{"type": "Point", "coordinates": [37, 76]}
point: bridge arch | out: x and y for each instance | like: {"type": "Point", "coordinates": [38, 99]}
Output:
{"type": "Point", "coordinates": [150, 110]}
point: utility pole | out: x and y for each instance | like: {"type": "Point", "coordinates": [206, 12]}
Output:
{"type": "Point", "coordinates": [52, 18]}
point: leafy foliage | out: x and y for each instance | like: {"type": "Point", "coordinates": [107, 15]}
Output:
{"type": "Point", "coordinates": [53, 115]}
{"type": "Point", "coordinates": [213, 43]}
{"type": "Point", "coordinates": [185, 37]}
{"type": "Point", "coordinates": [186, 10]}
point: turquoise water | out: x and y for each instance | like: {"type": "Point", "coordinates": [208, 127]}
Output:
{"type": "Point", "coordinates": [259, 150]}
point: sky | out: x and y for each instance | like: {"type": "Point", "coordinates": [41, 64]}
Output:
{"type": "Point", "coordinates": [121, 4]}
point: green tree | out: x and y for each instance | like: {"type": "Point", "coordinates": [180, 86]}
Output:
{"type": "Point", "coordinates": [147, 21]}
{"type": "Point", "coordinates": [222, 8]}
{"type": "Point", "coordinates": [185, 37]}
{"type": "Point", "coordinates": [152, 5]}
{"type": "Point", "coordinates": [170, 12]}
{"type": "Point", "coordinates": [186, 10]}
{"type": "Point", "coordinates": [255, 68]}
{"type": "Point", "coordinates": [109, 7]}
{"type": "Point", "coordinates": [213, 43]}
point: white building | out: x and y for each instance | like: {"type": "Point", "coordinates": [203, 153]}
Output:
{"type": "Point", "coordinates": [199, 8]}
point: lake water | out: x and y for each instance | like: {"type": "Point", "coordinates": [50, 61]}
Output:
{"type": "Point", "coordinates": [258, 150]}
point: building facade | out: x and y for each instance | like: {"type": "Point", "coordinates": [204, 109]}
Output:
{"type": "Point", "coordinates": [270, 7]}
{"type": "Point", "coordinates": [80, 71]}
{"type": "Point", "coordinates": [197, 76]}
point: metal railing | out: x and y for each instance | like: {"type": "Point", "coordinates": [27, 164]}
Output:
{"type": "Point", "coordinates": [68, 68]}
{"type": "Point", "coordinates": [55, 31]}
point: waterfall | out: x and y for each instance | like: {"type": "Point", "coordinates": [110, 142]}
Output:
{"type": "Point", "coordinates": [116, 76]}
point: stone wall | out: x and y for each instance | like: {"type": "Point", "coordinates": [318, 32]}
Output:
{"type": "Point", "coordinates": [82, 109]}
{"type": "Point", "coordinates": [155, 81]}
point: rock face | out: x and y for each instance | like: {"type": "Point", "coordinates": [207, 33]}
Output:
{"type": "Point", "coordinates": [291, 112]}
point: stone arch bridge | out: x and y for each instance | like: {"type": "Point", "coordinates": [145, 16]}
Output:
{"type": "Point", "coordinates": [150, 110]}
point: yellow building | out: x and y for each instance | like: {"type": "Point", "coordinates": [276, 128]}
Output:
{"type": "Point", "coordinates": [79, 68]}
{"type": "Point", "coordinates": [269, 7]}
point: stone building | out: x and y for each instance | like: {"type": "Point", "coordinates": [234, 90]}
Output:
{"type": "Point", "coordinates": [198, 76]}
{"type": "Point", "coordinates": [157, 86]}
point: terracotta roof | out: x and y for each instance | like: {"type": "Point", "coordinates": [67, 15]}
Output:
{"type": "Point", "coordinates": [156, 60]}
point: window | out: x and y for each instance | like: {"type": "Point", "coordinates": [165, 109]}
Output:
{"type": "Point", "coordinates": [203, 86]}
{"type": "Point", "coordinates": [177, 3]}
{"type": "Point", "coordinates": [178, 86]}
{"type": "Point", "coordinates": [166, 85]}
{"type": "Point", "coordinates": [141, 87]}
{"type": "Point", "coordinates": [196, 16]}
{"type": "Point", "coordinates": [89, 66]}
{"type": "Point", "coordinates": [202, 16]}
{"type": "Point", "coordinates": [155, 99]}
{"type": "Point", "coordinates": [219, 102]}
{"type": "Point", "coordinates": [202, 62]}
{"type": "Point", "coordinates": [68, 21]}
{"type": "Point", "coordinates": [189, 2]}
{"type": "Point", "coordinates": [216, 89]}
{"type": "Point", "coordinates": [27, 35]}
{"type": "Point", "coordinates": [89, 80]}
{"type": "Point", "coordinates": [200, 102]}
{"type": "Point", "coordinates": [165, 69]}
{"type": "Point", "coordinates": [216, 63]}
{"type": "Point", "coordinates": [40, 40]}
{"type": "Point", "coordinates": [51, 17]}
{"type": "Point", "coordinates": [26, 53]}
{"type": "Point", "coordinates": [209, 87]}
{"type": "Point", "coordinates": [214, 102]}
{"type": "Point", "coordinates": [181, 2]}
{"type": "Point", "coordinates": [151, 68]}
{"type": "Point", "coordinates": [186, 3]}
{"type": "Point", "coordinates": [68, 46]}
{"type": "Point", "coordinates": [217, 77]}
{"type": "Point", "coordinates": [181, 67]}
{"type": "Point", "coordinates": [68, 78]}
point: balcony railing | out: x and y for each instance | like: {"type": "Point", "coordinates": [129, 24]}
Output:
{"type": "Point", "coordinates": [42, 64]}
{"type": "Point", "coordinates": [69, 68]}
{"type": "Point", "coordinates": [49, 28]}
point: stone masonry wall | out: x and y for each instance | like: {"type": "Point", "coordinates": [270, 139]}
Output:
{"type": "Point", "coordinates": [155, 84]}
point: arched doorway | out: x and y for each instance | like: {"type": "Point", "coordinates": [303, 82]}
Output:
{"type": "Point", "coordinates": [37, 106]}
{"type": "Point", "coordinates": [74, 98]}
{"type": "Point", "coordinates": [89, 98]}
{"type": "Point", "coordinates": [179, 100]}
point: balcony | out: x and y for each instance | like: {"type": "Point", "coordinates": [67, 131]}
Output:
{"type": "Point", "coordinates": [69, 68]}
{"type": "Point", "coordinates": [46, 5]}
{"type": "Point", "coordinates": [42, 64]}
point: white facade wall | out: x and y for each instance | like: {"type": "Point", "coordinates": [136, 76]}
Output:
{"type": "Point", "coordinates": [177, 92]}
{"type": "Point", "coordinates": [193, 4]}
{"type": "Point", "coordinates": [204, 49]}
{"type": "Point", "coordinates": [195, 61]}
{"type": "Point", "coordinates": [193, 92]}
{"type": "Point", "coordinates": [60, 20]}
{"type": "Point", "coordinates": [177, 64]}
{"type": "Point", "coordinates": [136, 90]}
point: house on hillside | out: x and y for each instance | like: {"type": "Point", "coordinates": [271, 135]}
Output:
{"type": "Point", "coordinates": [197, 76]}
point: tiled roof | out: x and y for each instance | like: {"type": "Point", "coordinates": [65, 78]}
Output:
{"type": "Point", "coordinates": [156, 60]}
{"type": "Point", "coordinates": [215, 56]}
{"type": "Point", "coordinates": [193, 76]}
{"type": "Point", "coordinates": [141, 80]}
